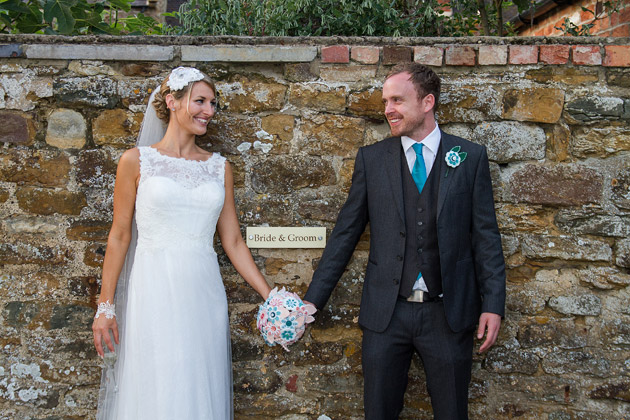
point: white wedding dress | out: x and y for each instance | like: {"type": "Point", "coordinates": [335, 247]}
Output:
{"type": "Point", "coordinates": [174, 361]}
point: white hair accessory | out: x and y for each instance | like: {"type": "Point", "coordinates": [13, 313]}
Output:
{"type": "Point", "coordinates": [182, 76]}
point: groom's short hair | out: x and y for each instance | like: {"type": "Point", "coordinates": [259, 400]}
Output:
{"type": "Point", "coordinates": [423, 78]}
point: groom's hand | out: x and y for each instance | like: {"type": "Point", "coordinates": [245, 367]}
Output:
{"type": "Point", "coordinates": [489, 324]}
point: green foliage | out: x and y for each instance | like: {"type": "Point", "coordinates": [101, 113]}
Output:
{"type": "Point", "coordinates": [292, 18]}
{"type": "Point", "coordinates": [602, 9]}
{"type": "Point", "coordinates": [72, 17]}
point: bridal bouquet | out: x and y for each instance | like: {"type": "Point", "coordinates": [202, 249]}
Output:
{"type": "Point", "coordinates": [283, 317]}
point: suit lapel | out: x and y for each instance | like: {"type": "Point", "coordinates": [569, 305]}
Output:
{"type": "Point", "coordinates": [448, 142]}
{"type": "Point", "coordinates": [394, 174]}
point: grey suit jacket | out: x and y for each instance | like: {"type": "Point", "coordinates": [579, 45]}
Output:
{"type": "Point", "coordinates": [471, 257]}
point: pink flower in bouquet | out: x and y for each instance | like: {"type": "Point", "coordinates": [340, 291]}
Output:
{"type": "Point", "coordinates": [283, 317]}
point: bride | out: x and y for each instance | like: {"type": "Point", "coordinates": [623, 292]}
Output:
{"type": "Point", "coordinates": [166, 340]}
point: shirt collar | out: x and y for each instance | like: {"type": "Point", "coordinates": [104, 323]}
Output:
{"type": "Point", "coordinates": [432, 141]}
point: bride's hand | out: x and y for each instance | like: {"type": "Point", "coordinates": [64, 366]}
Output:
{"type": "Point", "coordinates": [101, 327]}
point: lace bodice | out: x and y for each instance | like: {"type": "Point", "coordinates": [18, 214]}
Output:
{"type": "Point", "coordinates": [178, 201]}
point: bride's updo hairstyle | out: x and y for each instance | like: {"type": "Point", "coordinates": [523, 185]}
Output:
{"type": "Point", "coordinates": [159, 101]}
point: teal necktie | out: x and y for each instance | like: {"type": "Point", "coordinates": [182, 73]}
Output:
{"type": "Point", "coordinates": [419, 171]}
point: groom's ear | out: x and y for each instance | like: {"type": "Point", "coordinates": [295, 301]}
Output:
{"type": "Point", "coordinates": [428, 102]}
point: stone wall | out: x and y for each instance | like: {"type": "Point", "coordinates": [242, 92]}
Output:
{"type": "Point", "coordinates": [553, 114]}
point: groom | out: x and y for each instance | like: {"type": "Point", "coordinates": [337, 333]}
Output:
{"type": "Point", "coordinates": [435, 268]}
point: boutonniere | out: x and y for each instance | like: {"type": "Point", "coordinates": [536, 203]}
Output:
{"type": "Point", "coordinates": [454, 157]}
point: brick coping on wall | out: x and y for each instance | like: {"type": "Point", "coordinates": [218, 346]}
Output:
{"type": "Point", "coordinates": [467, 51]}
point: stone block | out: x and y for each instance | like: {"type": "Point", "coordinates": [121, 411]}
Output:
{"type": "Point", "coordinates": [318, 96]}
{"type": "Point", "coordinates": [503, 360]}
{"type": "Point", "coordinates": [11, 50]}
{"type": "Point", "coordinates": [576, 362]}
{"type": "Point", "coordinates": [88, 230]}
{"type": "Point", "coordinates": [72, 317]}
{"type": "Point", "coordinates": [335, 54]}
{"type": "Point", "coordinates": [38, 225]}
{"type": "Point", "coordinates": [526, 302]}
{"type": "Point", "coordinates": [544, 332]}
{"type": "Point", "coordinates": [22, 91]}
{"type": "Point", "coordinates": [429, 56]}
{"type": "Point", "coordinates": [84, 286]}
{"type": "Point", "coordinates": [17, 128]}
{"type": "Point", "coordinates": [117, 128]}
{"type": "Point", "coordinates": [523, 54]}
{"type": "Point", "coordinates": [95, 168]}
{"type": "Point", "coordinates": [622, 252]}
{"type": "Point", "coordinates": [334, 135]}
{"type": "Point", "coordinates": [31, 253]}
{"type": "Point", "coordinates": [66, 129]}
{"type": "Point", "coordinates": [140, 69]}
{"type": "Point", "coordinates": [227, 133]}
{"type": "Point", "coordinates": [91, 68]}
{"type": "Point", "coordinates": [616, 332]}
{"type": "Point", "coordinates": [337, 73]}
{"type": "Point", "coordinates": [468, 104]}
{"type": "Point", "coordinates": [585, 222]}
{"type": "Point", "coordinates": [94, 255]}
{"type": "Point", "coordinates": [19, 314]}
{"type": "Point", "coordinates": [97, 91]}
{"type": "Point", "coordinates": [565, 75]}
{"type": "Point", "coordinates": [117, 52]}
{"type": "Point", "coordinates": [565, 248]}
{"type": "Point", "coordinates": [280, 125]}
{"type": "Point", "coordinates": [617, 56]}
{"type": "Point", "coordinates": [4, 195]}
{"type": "Point", "coordinates": [585, 304]}
{"type": "Point", "coordinates": [554, 54]}
{"type": "Point", "coordinates": [618, 77]}
{"type": "Point", "coordinates": [245, 95]}
{"type": "Point", "coordinates": [534, 104]}
{"type": "Point", "coordinates": [511, 141]}
{"type": "Point", "coordinates": [49, 168]}
{"type": "Point", "coordinates": [269, 208]}
{"type": "Point", "coordinates": [604, 278]}
{"type": "Point", "coordinates": [134, 94]}
{"type": "Point", "coordinates": [559, 143]}
{"type": "Point", "coordinates": [394, 54]}
{"type": "Point", "coordinates": [587, 55]}
{"type": "Point", "coordinates": [493, 55]}
{"type": "Point", "coordinates": [322, 208]}
{"type": "Point", "coordinates": [291, 173]}
{"type": "Point", "coordinates": [619, 391]}
{"type": "Point", "coordinates": [299, 72]}
{"type": "Point", "coordinates": [365, 55]}
{"type": "Point", "coordinates": [595, 108]}
{"type": "Point", "coordinates": [250, 53]}
{"type": "Point", "coordinates": [460, 56]}
{"type": "Point", "coordinates": [49, 201]}
{"type": "Point", "coordinates": [620, 187]}
{"type": "Point", "coordinates": [367, 103]}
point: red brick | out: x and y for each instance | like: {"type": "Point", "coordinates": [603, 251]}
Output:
{"type": "Point", "coordinates": [554, 54]}
{"type": "Point", "coordinates": [336, 54]}
{"type": "Point", "coordinates": [429, 56]}
{"type": "Point", "coordinates": [460, 56]}
{"type": "Point", "coordinates": [396, 54]}
{"type": "Point", "coordinates": [365, 55]}
{"type": "Point", "coordinates": [617, 56]}
{"type": "Point", "coordinates": [492, 55]}
{"type": "Point", "coordinates": [621, 31]}
{"type": "Point", "coordinates": [523, 54]}
{"type": "Point", "coordinates": [587, 55]}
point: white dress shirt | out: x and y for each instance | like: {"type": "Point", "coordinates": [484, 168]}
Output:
{"type": "Point", "coordinates": [429, 152]}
